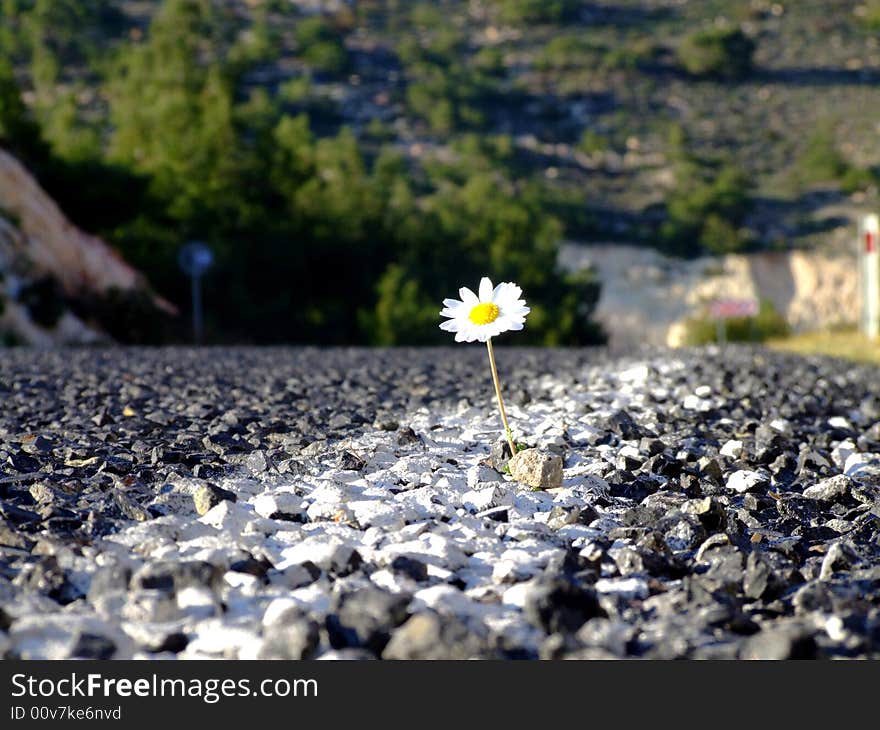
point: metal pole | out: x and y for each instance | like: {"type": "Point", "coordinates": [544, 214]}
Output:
{"type": "Point", "coordinates": [197, 308]}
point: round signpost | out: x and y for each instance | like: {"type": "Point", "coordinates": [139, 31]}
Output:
{"type": "Point", "coordinates": [195, 258]}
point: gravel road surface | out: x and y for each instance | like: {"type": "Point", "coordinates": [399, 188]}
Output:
{"type": "Point", "coordinates": [349, 503]}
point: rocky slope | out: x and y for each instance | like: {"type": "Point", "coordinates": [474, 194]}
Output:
{"type": "Point", "coordinates": [344, 503]}
{"type": "Point", "coordinates": [39, 245]}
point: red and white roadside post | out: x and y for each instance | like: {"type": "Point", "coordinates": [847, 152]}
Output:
{"type": "Point", "coordinates": [869, 258]}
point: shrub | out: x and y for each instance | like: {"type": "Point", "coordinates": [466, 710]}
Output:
{"type": "Point", "coordinates": [821, 161]}
{"type": "Point", "coordinates": [631, 54]}
{"type": "Point", "coordinates": [537, 11]}
{"type": "Point", "coordinates": [766, 325]}
{"type": "Point", "coordinates": [856, 179]}
{"type": "Point", "coordinates": [592, 142]}
{"type": "Point", "coordinates": [490, 60]}
{"type": "Point", "coordinates": [871, 16]}
{"type": "Point", "coordinates": [718, 53]}
{"type": "Point", "coordinates": [563, 52]}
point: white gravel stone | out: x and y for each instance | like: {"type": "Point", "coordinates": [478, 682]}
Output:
{"type": "Point", "coordinates": [446, 599]}
{"type": "Point", "coordinates": [216, 639]}
{"type": "Point", "coordinates": [518, 564]}
{"type": "Point", "coordinates": [429, 548]}
{"type": "Point", "coordinates": [197, 601]}
{"type": "Point", "coordinates": [281, 611]}
{"type": "Point", "coordinates": [270, 503]}
{"type": "Point", "coordinates": [516, 595]}
{"type": "Point", "coordinates": [862, 466]}
{"type": "Point", "coordinates": [377, 513]}
{"type": "Point", "coordinates": [630, 587]}
{"type": "Point", "coordinates": [481, 474]}
{"type": "Point", "coordinates": [55, 636]}
{"type": "Point", "coordinates": [479, 500]}
{"type": "Point", "coordinates": [318, 549]}
{"type": "Point", "coordinates": [694, 402]}
{"type": "Point", "coordinates": [732, 448]}
{"type": "Point", "coordinates": [635, 375]}
{"type": "Point", "coordinates": [743, 480]}
{"type": "Point", "coordinates": [230, 517]}
{"type": "Point", "coordinates": [782, 425]}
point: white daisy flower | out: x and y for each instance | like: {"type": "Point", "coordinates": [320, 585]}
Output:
{"type": "Point", "coordinates": [478, 318]}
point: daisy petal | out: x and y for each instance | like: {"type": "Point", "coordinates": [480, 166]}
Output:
{"type": "Point", "coordinates": [468, 297]}
{"type": "Point", "coordinates": [509, 292]}
{"type": "Point", "coordinates": [485, 289]}
{"type": "Point", "coordinates": [450, 325]}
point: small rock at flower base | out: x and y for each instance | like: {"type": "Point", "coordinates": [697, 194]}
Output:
{"type": "Point", "coordinates": [210, 495]}
{"type": "Point", "coordinates": [537, 469]}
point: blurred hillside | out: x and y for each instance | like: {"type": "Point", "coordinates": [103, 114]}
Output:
{"type": "Point", "coordinates": [354, 162]}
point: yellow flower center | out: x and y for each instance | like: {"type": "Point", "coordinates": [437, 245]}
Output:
{"type": "Point", "coordinates": [484, 313]}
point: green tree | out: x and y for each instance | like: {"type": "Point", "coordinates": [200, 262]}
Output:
{"type": "Point", "coordinates": [705, 210]}
{"type": "Point", "coordinates": [19, 133]}
{"type": "Point", "coordinates": [172, 112]}
{"type": "Point", "coordinates": [321, 45]}
{"type": "Point", "coordinates": [445, 87]}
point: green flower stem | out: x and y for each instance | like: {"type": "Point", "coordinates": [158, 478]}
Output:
{"type": "Point", "coordinates": [507, 432]}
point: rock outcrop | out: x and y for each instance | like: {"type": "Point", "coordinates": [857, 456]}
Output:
{"type": "Point", "coordinates": [39, 244]}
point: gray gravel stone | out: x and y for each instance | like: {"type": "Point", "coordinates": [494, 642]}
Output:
{"type": "Point", "coordinates": [829, 490]}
